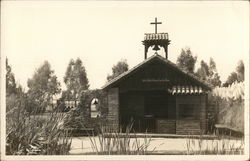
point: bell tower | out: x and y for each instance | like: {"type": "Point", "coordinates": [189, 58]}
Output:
{"type": "Point", "coordinates": [156, 40]}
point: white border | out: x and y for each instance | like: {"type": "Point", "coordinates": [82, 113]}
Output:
{"type": "Point", "coordinates": [121, 157]}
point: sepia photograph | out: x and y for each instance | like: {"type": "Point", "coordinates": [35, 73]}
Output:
{"type": "Point", "coordinates": [124, 80]}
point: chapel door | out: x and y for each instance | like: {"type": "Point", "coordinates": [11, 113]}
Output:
{"type": "Point", "coordinates": [156, 106]}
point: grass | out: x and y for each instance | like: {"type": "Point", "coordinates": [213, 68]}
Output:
{"type": "Point", "coordinates": [36, 135]}
{"type": "Point", "coordinates": [110, 142]}
{"type": "Point", "coordinates": [223, 145]}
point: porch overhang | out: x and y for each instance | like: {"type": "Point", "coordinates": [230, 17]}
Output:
{"type": "Point", "coordinates": [187, 90]}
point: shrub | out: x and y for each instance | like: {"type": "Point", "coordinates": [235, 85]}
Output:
{"type": "Point", "coordinates": [34, 134]}
{"type": "Point", "coordinates": [80, 117]}
{"type": "Point", "coordinates": [232, 92]}
{"type": "Point", "coordinates": [229, 105]}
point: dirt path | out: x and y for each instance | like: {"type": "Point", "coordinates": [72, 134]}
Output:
{"type": "Point", "coordinates": [81, 145]}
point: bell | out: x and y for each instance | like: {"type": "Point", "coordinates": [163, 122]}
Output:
{"type": "Point", "coordinates": [156, 47]}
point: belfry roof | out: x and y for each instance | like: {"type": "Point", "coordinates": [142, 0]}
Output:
{"type": "Point", "coordinates": [158, 36]}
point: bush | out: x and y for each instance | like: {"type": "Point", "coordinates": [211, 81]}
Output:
{"type": "Point", "coordinates": [229, 105]}
{"type": "Point", "coordinates": [79, 118]}
{"type": "Point", "coordinates": [233, 92]}
{"type": "Point", "coordinates": [32, 134]}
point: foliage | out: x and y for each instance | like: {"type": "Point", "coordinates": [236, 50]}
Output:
{"type": "Point", "coordinates": [221, 145]}
{"type": "Point", "coordinates": [55, 140]}
{"type": "Point", "coordinates": [61, 106]}
{"type": "Point", "coordinates": [231, 115]}
{"type": "Point", "coordinates": [203, 71]}
{"type": "Point", "coordinates": [213, 77]}
{"type": "Point", "coordinates": [231, 79]}
{"type": "Point", "coordinates": [119, 68]}
{"type": "Point", "coordinates": [186, 61]}
{"type": "Point", "coordinates": [209, 73]}
{"type": "Point", "coordinates": [75, 79]}
{"type": "Point", "coordinates": [240, 71]}
{"type": "Point", "coordinates": [88, 96]}
{"type": "Point", "coordinates": [11, 86]}
{"type": "Point", "coordinates": [30, 135]}
{"type": "Point", "coordinates": [229, 105]}
{"type": "Point", "coordinates": [215, 80]}
{"type": "Point", "coordinates": [27, 134]}
{"type": "Point", "coordinates": [14, 93]}
{"type": "Point", "coordinates": [237, 75]}
{"type": "Point", "coordinates": [14, 100]}
{"type": "Point", "coordinates": [42, 87]}
{"type": "Point", "coordinates": [235, 91]}
{"type": "Point", "coordinates": [80, 116]}
{"type": "Point", "coordinates": [118, 143]}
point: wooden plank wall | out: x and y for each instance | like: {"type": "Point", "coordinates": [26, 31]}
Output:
{"type": "Point", "coordinates": [194, 126]}
{"type": "Point", "coordinates": [166, 126]}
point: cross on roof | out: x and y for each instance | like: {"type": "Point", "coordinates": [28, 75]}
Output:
{"type": "Point", "coordinates": [155, 23]}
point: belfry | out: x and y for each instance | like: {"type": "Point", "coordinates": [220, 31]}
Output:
{"type": "Point", "coordinates": [156, 40]}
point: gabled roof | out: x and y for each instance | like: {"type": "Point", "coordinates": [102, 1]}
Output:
{"type": "Point", "coordinates": [146, 61]}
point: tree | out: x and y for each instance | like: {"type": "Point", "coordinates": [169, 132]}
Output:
{"type": "Point", "coordinates": [42, 87]}
{"type": "Point", "coordinates": [213, 77]}
{"type": "Point", "coordinates": [186, 61]}
{"type": "Point", "coordinates": [209, 73]}
{"type": "Point", "coordinates": [10, 80]}
{"type": "Point", "coordinates": [14, 92]}
{"type": "Point", "coordinates": [75, 78]}
{"type": "Point", "coordinates": [203, 71]}
{"type": "Point", "coordinates": [119, 68]}
{"type": "Point", "coordinates": [237, 75]}
{"type": "Point", "coordinates": [231, 79]}
{"type": "Point", "coordinates": [215, 81]}
{"type": "Point", "coordinates": [240, 71]}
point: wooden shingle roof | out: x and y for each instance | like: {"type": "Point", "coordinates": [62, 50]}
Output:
{"type": "Point", "coordinates": [158, 36]}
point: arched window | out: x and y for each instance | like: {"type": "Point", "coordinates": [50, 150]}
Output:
{"type": "Point", "coordinates": [94, 108]}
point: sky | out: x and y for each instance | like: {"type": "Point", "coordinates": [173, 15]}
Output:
{"type": "Point", "coordinates": [102, 33]}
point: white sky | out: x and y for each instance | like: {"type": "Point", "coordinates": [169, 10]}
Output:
{"type": "Point", "coordinates": [102, 33]}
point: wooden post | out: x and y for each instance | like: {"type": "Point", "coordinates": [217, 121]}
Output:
{"type": "Point", "coordinates": [176, 112]}
{"type": "Point", "coordinates": [146, 51]}
{"type": "Point", "coordinates": [166, 51]}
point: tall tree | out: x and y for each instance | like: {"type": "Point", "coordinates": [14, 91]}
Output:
{"type": "Point", "coordinates": [119, 68]}
{"type": "Point", "coordinates": [11, 86]}
{"type": "Point", "coordinates": [203, 70]}
{"type": "Point", "coordinates": [75, 78]}
{"type": "Point", "coordinates": [209, 73]}
{"type": "Point", "coordinates": [231, 79]}
{"type": "Point", "coordinates": [213, 77]}
{"type": "Point", "coordinates": [237, 75]}
{"type": "Point", "coordinates": [14, 92]}
{"type": "Point", "coordinates": [240, 71]}
{"type": "Point", "coordinates": [42, 87]}
{"type": "Point", "coordinates": [186, 61]}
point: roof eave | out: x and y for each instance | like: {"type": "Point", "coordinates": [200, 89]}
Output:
{"type": "Point", "coordinates": [121, 76]}
{"type": "Point", "coordinates": [118, 78]}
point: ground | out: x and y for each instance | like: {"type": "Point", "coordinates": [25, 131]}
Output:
{"type": "Point", "coordinates": [82, 145]}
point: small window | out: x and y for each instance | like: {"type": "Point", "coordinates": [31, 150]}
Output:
{"type": "Point", "coordinates": [95, 111]}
